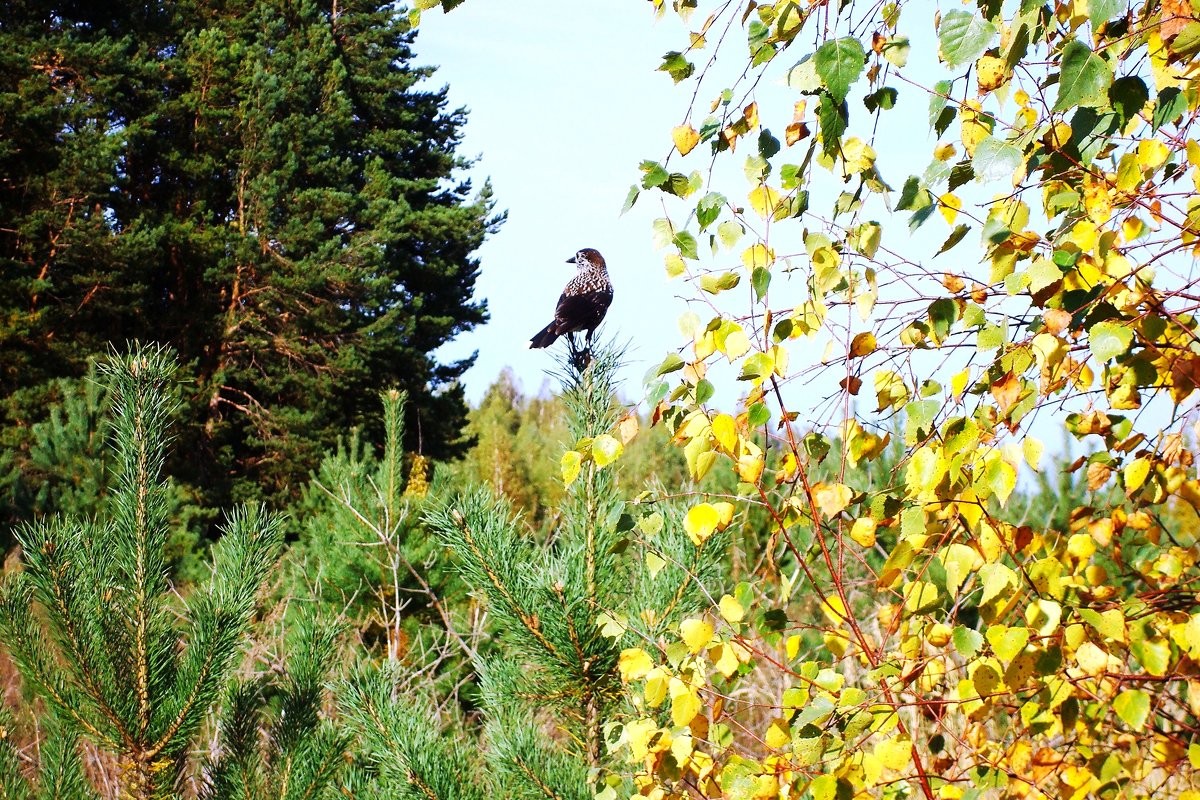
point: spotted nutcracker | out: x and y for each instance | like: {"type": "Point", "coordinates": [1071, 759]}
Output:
{"type": "Point", "coordinates": [583, 302]}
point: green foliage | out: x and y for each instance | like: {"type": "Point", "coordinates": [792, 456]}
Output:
{"type": "Point", "coordinates": [90, 620]}
{"type": "Point", "coordinates": [64, 468]}
{"type": "Point", "coordinates": [60, 773]}
{"type": "Point", "coordinates": [363, 550]}
{"type": "Point", "coordinates": [412, 757]}
{"type": "Point", "coordinates": [563, 608]}
{"type": "Point", "coordinates": [267, 187]}
{"type": "Point", "coordinates": [514, 435]}
{"type": "Point", "coordinates": [273, 740]}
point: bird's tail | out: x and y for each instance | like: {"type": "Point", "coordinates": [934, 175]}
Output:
{"type": "Point", "coordinates": [543, 338]}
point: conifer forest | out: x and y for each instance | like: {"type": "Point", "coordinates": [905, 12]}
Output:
{"type": "Point", "coordinates": [908, 509]}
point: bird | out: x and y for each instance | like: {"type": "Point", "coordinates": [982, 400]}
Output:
{"type": "Point", "coordinates": [582, 304]}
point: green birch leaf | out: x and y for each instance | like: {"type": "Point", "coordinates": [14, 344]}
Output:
{"type": "Point", "coordinates": [1101, 11]}
{"type": "Point", "coordinates": [760, 280]}
{"type": "Point", "coordinates": [962, 37]}
{"type": "Point", "coordinates": [1133, 707]}
{"type": "Point", "coordinates": [630, 198]}
{"type": "Point", "coordinates": [955, 237]}
{"type": "Point", "coordinates": [839, 63]}
{"type": "Point", "coordinates": [1128, 96]}
{"type": "Point", "coordinates": [996, 159]}
{"type": "Point", "coordinates": [834, 117]}
{"type": "Point", "coordinates": [1085, 78]}
{"type": "Point", "coordinates": [1107, 340]}
{"type": "Point", "coordinates": [671, 363]}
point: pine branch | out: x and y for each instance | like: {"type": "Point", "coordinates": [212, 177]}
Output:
{"type": "Point", "coordinates": [481, 532]}
{"type": "Point", "coordinates": [416, 760]}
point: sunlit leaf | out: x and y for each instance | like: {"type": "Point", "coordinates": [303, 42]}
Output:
{"type": "Point", "coordinates": [1085, 78]}
{"type": "Point", "coordinates": [963, 36]}
{"type": "Point", "coordinates": [839, 62]}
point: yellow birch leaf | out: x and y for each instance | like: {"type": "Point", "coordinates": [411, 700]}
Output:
{"type": "Point", "coordinates": [764, 200]}
{"type": "Point", "coordinates": [960, 561]}
{"type": "Point", "coordinates": [1085, 235]}
{"type": "Point", "coordinates": [634, 663]}
{"type": "Point", "coordinates": [974, 128]}
{"type": "Point", "coordinates": [970, 507]}
{"type": "Point", "coordinates": [1032, 449]}
{"type": "Point", "coordinates": [758, 255]}
{"type": "Point", "coordinates": [890, 390]}
{"type": "Point", "coordinates": [685, 138]}
{"type": "Point", "coordinates": [997, 579]}
{"type": "Point", "coordinates": [832, 498]}
{"type": "Point", "coordinates": [949, 204]}
{"type": "Point", "coordinates": [1091, 659]}
{"type": "Point", "coordinates": [700, 523]}
{"type": "Point", "coordinates": [696, 634]}
{"type": "Point", "coordinates": [724, 511]}
{"type": "Point", "coordinates": [1135, 474]}
{"type": "Point", "coordinates": [862, 344]}
{"type": "Point", "coordinates": [685, 702]}
{"type": "Point", "coordinates": [894, 753]}
{"type": "Point", "coordinates": [654, 564]}
{"type": "Point", "coordinates": [1096, 200]}
{"type": "Point", "coordinates": [737, 344]}
{"type": "Point", "coordinates": [731, 609]}
{"type": "Point", "coordinates": [627, 428]}
{"type": "Point", "coordinates": [681, 748]}
{"type": "Point", "coordinates": [572, 462]}
{"type": "Point", "coordinates": [991, 73]}
{"type": "Point", "coordinates": [1007, 642]}
{"type": "Point", "coordinates": [656, 687]}
{"type": "Point", "coordinates": [1048, 350]}
{"type": "Point", "coordinates": [750, 114]}
{"type": "Point", "coordinates": [605, 450]}
{"type": "Point", "coordinates": [1152, 154]}
{"type": "Point", "coordinates": [638, 734]}
{"type": "Point", "coordinates": [835, 610]}
{"type": "Point", "coordinates": [1191, 636]}
{"type": "Point", "coordinates": [779, 736]}
{"type": "Point", "coordinates": [919, 596]}
{"type": "Point", "coordinates": [959, 383]}
{"type": "Point", "coordinates": [792, 646]}
{"type": "Point", "coordinates": [750, 467]}
{"type": "Point", "coordinates": [725, 431]}
{"type": "Point", "coordinates": [674, 264]}
{"type": "Point", "coordinates": [863, 532]}
{"type": "Point", "coordinates": [857, 154]}
{"type": "Point", "coordinates": [724, 659]}
{"type": "Point", "coordinates": [925, 470]}
{"type": "Point", "coordinates": [944, 152]}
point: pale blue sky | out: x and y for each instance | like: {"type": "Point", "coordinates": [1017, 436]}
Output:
{"type": "Point", "coordinates": [564, 103]}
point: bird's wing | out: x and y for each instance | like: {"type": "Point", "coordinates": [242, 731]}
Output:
{"type": "Point", "coordinates": [576, 312]}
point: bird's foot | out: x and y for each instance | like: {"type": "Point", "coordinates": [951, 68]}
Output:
{"type": "Point", "coordinates": [581, 357]}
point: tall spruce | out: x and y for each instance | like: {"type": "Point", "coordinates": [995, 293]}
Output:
{"type": "Point", "coordinates": [563, 610]}
{"type": "Point", "coordinates": [267, 186]}
{"type": "Point", "coordinates": [91, 620]}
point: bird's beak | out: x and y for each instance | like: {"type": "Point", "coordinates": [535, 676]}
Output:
{"type": "Point", "coordinates": [571, 260]}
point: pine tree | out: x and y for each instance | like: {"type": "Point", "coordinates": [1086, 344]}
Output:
{"type": "Point", "coordinates": [266, 186]}
{"type": "Point", "coordinates": [91, 621]}
{"type": "Point", "coordinates": [364, 551]}
{"type": "Point", "coordinates": [562, 611]}
{"type": "Point", "coordinates": [274, 742]}
{"type": "Point", "coordinates": [60, 771]}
